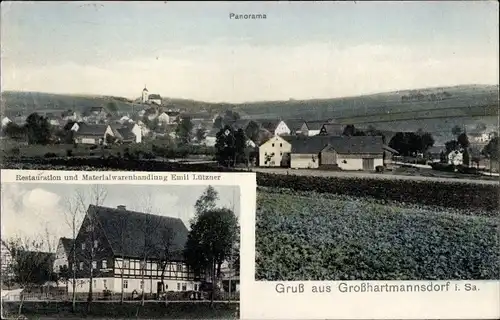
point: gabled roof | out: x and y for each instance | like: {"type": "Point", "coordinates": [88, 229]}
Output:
{"type": "Point", "coordinates": [315, 124]}
{"type": "Point", "coordinates": [92, 129]}
{"type": "Point", "coordinates": [294, 124]}
{"type": "Point", "coordinates": [126, 133]}
{"type": "Point", "coordinates": [269, 124]}
{"type": "Point", "coordinates": [333, 129]}
{"type": "Point", "coordinates": [67, 244]}
{"type": "Point", "coordinates": [341, 144]}
{"type": "Point", "coordinates": [137, 225]}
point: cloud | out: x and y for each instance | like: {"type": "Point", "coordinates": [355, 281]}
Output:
{"type": "Point", "coordinates": [220, 72]}
{"type": "Point", "coordinates": [29, 213]}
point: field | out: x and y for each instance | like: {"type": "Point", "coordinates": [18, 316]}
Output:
{"type": "Point", "coordinates": [312, 236]}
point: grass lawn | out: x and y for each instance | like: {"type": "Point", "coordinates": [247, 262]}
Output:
{"type": "Point", "coordinates": [311, 236]}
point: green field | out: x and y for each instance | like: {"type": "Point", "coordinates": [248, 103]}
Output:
{"type": "Point", "coordinates": [311, 236]}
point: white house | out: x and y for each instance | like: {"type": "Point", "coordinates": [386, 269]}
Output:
{"type": "Point", "coordinates": [61, 260]}
{"type": "Point", "coordinates": [164, 118]}
{"type": "Point", "coordinates": [275, 127]}
{"type": "Point", "coordinates": [5, 121]}
{"type": "Point", "coordinates": [118, 260]}
{"type": "Point", "coordinates": [272, 152]}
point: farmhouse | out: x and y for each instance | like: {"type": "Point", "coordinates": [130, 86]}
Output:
{"type": "Point", "coordinates": [128, 246]}
{"type": "Point", "coordinates": [331, 129]}
{"type": "Point", "coordinates": [312, 128]}
{"type": "Point", "coordinates": [346, 153]}
{"type": "Point", "coordinates": [275, 127]}
{"type": "Point", "coordinates": [93, 133]}
{"type": "Point", "coordinates": [272, 152]}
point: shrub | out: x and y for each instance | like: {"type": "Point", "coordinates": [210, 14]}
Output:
{"type": "Point", "coordinates": [50, 155]}
{"type": "Point", "coordinates": [69, 152]}
{"type": "Point", "coordinates": [443, 167]}
{"type": "Point", "coordinates": [15, 151]}
{"type": "Point", "coordinates": [467, 170]}
{"type": "Point", "coordinates": [379, 168]}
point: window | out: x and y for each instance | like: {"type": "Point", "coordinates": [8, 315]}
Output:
{"type": "Point", "coordinates": [281, 153]}
{"type": "Point", "coordinates": [83, 246]}
{"type": "Point", "coordinates": [125, 284]}
{"type": "Point", "coordinates": [281, 145]}
{"type": "Point", "coordinates": [94, 264]}
{"type": "Point", "coordinates": [81, 265]}
{"type": "Point", "coordinates": [195, 287]}
{"type": "Point", "coordinates": [184, 287]}
{"type": "Point", "coordinates": [126, 264]}
{"type": "Point", "coordinates": [104, 282]}
{"type": "Point", "coordinates": [272, 145]}
{"type": "Point", "coordinates": [104, 264]}
{"type": "Point", "coordinates": [142, 285]}
{"type": "Point", "coordinates": [95, 283]}
{"type": "Point", "coordinates": [178, 286]}
{"type": "Point", "coordinates": [96, 243]}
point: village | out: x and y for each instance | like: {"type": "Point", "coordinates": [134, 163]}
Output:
{"type": "Point", "coordinates": [324, 145]}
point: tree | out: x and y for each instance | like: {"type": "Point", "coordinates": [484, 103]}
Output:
{"type": "Point", "coordinates": [184, 130]}
{"type": "Point", "coordinates": [30, 265]}
{"type": "Point", "coordinates": [14, 131]}
{"type": "Point", "coordinates": [201, 134]}
{"type": "Point", "coordinates": [463, 140]}
{"type": "Point", "coordinates": [349, 130]}
{"type": "Point", "coordinates": [230, 146]}
{"type": "Point", "coordinates": [206, 202]}
{"type": "Point", "coordinates": [409, 143]}
{"type": "Point", "coordinates": [87, 255]}
{"type": "Point", "coordinates": [148, 228]}
{"type": "Point", "coordinates": [64, 274]}
{"type": "Point", "coordinates": [112, 107]}
{"type": "Point", "coordinates": [218, 123]}
{"type": "Point", "coordinates": [451, 145]}
{"type": "Point", "coordinates": [491, 150]}
{"type": "Point", "coordinates": [165, 254]}
{"type": "Point", "coordinates": [252, 131]}
{"type": "Point", "coordinates": [211, 241]}
{"type": "Point", "coordinates": [37, 129]}
{"type": "Point", "coordinates": [456, 130]}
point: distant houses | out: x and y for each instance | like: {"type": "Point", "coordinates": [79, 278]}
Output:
{"type": "Point", "coordinates": [103, 134]}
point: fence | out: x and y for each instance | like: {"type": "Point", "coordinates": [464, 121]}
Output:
{"type": "Point", "coordinates": [114, 296]}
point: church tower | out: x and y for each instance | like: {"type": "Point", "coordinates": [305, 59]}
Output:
{"type": "Point", "coordinates": [144, 95]}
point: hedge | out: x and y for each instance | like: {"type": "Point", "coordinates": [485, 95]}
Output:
{"type": "Point", "coordinates": [445, 194]}
{"type": "Point", "coordinates": [178, 310]}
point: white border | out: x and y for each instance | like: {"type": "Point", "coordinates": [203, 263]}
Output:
{"type": "Point", "coordinates": [259, 299]}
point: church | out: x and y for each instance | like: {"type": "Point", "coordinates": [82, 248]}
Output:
{"type": "Point", "coordinates": [150, 98]}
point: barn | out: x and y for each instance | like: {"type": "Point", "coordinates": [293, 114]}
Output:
{"type": "Point", "coordinates": [344, 152]}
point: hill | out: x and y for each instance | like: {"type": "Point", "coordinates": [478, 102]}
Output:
{"type": "Point", "coordinates": [436, 110]}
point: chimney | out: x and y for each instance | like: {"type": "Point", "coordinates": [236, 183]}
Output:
{"type": "Point", "coordinates": [121, 207]}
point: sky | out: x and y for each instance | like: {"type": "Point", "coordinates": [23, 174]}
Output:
{"type": "Point", "coordinates": [195, 51]}
{"type": "Point", "coordinates": [30, 209]}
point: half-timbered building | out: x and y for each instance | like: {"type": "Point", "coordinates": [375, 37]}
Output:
{"type": "Point", "coordinates": [126, 249]}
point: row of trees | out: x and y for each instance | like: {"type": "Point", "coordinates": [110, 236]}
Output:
{"type": "Point", "coordinates": [411, 143]}
{"type": "Point", "coordinates": [37, 130]}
